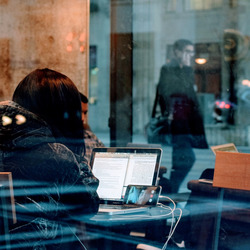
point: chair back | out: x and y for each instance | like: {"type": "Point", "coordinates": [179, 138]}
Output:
{"type": "Point", "coordinates": [6, 181]}
{"type": "Point", "coordinates": [7, 209]}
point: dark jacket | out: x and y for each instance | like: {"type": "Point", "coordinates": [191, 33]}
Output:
{"type": "Point", "coordinates": [50, 184]}
{"type": "Point", "coordinates": [178, 101]}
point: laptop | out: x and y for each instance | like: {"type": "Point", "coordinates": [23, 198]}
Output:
{"type": "Point", "coordinates": [138, 198]}
{"type": "Point", "coordinates": [118, 167]}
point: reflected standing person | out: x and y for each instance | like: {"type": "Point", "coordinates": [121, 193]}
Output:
{"type": "Point", "coordinates": [178, 101]}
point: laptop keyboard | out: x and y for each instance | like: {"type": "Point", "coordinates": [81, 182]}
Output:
{"type": "Point", "coordinates": [125, 206]}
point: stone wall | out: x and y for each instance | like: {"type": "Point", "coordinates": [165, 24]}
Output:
{"type": "Point", "coordinates": [38, 34]}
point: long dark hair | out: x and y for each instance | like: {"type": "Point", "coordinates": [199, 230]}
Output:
{"type": "Point", "coordinates": [55, 98]}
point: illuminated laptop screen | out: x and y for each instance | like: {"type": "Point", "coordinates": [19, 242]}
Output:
{"type": "Point", "coordinates": [116, 168]}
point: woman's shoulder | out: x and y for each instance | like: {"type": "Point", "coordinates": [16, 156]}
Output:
{"type": "Point", "coordinates": [63, 155]}
{"type": "Point", "coordinates": [59, 161]}
{"type": "Point", "coordinates": [60, 149]}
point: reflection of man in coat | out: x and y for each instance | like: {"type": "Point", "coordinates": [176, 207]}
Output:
{"type": "Point", "coordinates": [179, 102]}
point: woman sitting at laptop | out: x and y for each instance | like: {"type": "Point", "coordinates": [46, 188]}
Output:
{"type": "Point", "coordinates": [41, 138]}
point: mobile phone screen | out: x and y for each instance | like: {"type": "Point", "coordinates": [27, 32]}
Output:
{"type": "Point", "coordinates": [142, 195]}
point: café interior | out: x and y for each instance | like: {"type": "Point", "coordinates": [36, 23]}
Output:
{"type": "Point", "coordinates": [113, 51]}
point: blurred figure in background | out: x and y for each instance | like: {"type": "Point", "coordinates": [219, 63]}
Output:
{"type": "Point", "coordinates": [179, 103]}
{"type": "Point", "coordinates": [90, 139]}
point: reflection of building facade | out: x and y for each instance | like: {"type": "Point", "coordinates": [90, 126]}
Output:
{"type": "Point", "coordinates": [155, 26]}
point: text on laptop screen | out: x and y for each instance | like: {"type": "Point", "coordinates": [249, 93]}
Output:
{"type": "Point", "coordinates": [117, 170]}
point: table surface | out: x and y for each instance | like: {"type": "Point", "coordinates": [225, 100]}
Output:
{"type": "Point", "coordinates": [151, 214]}
{"type": "Point", "coordinates": [152, 224]}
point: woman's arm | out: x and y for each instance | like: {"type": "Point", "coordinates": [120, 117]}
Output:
{"type": "Point", "coordinates": [77, 185]}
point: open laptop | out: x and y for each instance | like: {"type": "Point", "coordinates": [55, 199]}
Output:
{"type": "Point", "coordinates": [117, 167]}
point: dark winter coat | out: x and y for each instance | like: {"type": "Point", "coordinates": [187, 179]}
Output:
{"type": "Point", "coordinates": [178, 101]}
{"type": "Point", "coordinates": [50, 184]}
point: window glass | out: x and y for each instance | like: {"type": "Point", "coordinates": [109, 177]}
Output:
{"type": "Point", "coordinates": [220, 58]}
{"type": "Point", "coordinates": [99, 69]}
{"type": "Point", "coordinates": [184, 63]}
{"type": "Point", "coordinates": [204, 93]}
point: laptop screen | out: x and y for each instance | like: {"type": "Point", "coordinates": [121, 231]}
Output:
{"type": "Point", "coordinates": [116, 168]}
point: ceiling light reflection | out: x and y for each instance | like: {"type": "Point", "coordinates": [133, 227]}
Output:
{"type": "Point", "coordinates": [246, 82]}
{"type": "Point", "coordinates": [200, 60]}
{"type": "Point", "coordinates": [6, 120]}
{"type": "Point", "coordinates": [20, 119]}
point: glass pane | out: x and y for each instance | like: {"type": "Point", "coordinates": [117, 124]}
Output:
{"type": "Point", "coordinates": [214, 99]}
{"type": "Point", "coordinates": [99, 69]}
{"type": "Point", "coordinates": [219, 34]}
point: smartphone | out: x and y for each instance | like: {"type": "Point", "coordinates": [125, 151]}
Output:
{"type": "Point", "coordinates": [142, 195]}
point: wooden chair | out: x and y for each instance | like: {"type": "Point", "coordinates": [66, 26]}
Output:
{"type": "Point", "coordinates": [7, 208]}
{"type": "Point", "coordinates": [146, 247]}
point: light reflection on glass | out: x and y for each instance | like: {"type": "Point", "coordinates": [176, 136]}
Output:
{"type": "Point", "coordinates": [200, 60]}
{"type": "Point", "coordinates": [20, 119]}
{"type": "Point", "coordinates": [246, 82]}
{"type": "Point", "coordinates": [6, 120]}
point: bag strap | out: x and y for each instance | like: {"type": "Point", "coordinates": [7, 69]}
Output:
{"type": "Point", "coordinates": [155, 103]}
